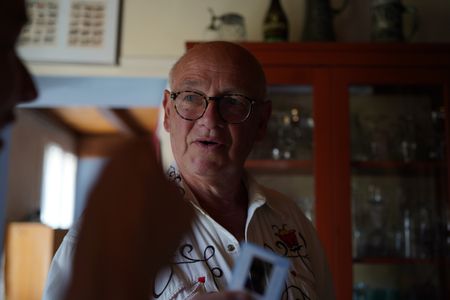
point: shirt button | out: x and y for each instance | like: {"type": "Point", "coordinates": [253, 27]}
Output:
{"type": "Point", "coordinates": [231, 247]}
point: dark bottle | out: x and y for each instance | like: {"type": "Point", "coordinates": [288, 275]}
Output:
{"type": "Point", "coordinates": [275, 26]}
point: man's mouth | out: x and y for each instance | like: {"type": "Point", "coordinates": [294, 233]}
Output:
{"type": "Point", "coordinates": [209, 143]}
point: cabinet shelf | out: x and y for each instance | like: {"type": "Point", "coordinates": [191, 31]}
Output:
{"type": "Point", "coordinates": [411, 168]}
{"type": "Point", "coordinates": [276, 166]}
{"type": "Point", "coordinates": [396, 261]}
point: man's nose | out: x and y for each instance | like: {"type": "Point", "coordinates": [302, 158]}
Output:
{"type": "Point", "coordinates": [211, 118]}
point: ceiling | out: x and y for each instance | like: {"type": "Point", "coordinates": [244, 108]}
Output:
{"type": "Point", "coordinates": [89, 121]}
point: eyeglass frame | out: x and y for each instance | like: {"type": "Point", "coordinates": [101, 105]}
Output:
{"type": "Point", "coordinates": [174, 95]}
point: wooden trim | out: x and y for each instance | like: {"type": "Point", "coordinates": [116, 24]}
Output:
{"type": "Point", "coordinates": [130, 122]}
{"type": "Point", "coordinates": [349, 54]}
{"type": "Point", "coordinates": [341, 173]}
{"type": "Point", "coordinates": [101, 145]}
{"type": "Point", "coordinates": [326, 217]}
{"type": "Point", "coordinates": [54, 118]}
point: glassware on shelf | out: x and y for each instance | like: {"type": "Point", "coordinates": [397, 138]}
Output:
{"type": "Point", "coordinates": [372, 138]}
{"type": "Point", "coordinates": [360, 144]}
{"type": "Point", "coordinates": [437, 149]}
{"type": "Point", "coordinates": [408, 235]}
{"type": "Point", "coordinates": [288, 134]}
{"type": "Point", "coordinates": [290, 129]}
{"type": "Point", "coordinates": [446, 239]}
{"type": "Point", "coordinates": [400, 236]}
{"type": "Point", "coordinates": [360, 291]}
{"type": "Point", "coordinates": [356, 223]}
{"type": "Point", "coordinates": [425, 234]}
{"type": "Point", "coordinates": [407, 138]}
{"type": "Point", "coordinates": [376, 235]}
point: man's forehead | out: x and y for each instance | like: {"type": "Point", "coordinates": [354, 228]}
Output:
{"type": "Point", "coordinates": [200, 70]}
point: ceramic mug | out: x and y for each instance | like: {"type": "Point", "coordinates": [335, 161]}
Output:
{"type": "Point", "coordinates": [387, 20]}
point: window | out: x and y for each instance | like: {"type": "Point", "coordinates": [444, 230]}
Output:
{"type": "Point", "coordinates": [58, 187]}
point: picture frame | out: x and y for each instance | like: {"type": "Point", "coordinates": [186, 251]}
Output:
{"type": "Point", "coordinates": [260, 272]}
{"type": "Point", "coordinates": [71, 31]}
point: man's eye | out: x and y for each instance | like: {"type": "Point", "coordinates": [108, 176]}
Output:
{"type": "Point", "coordinates": [233, 101]}
{"type": "Point", "coordinates": [190, 97]}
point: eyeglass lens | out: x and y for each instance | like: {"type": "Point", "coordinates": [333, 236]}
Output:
{"type": "Point", "coordinates": [233, 109]}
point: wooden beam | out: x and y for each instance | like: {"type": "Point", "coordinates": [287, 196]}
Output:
{"type": "Point", "coordinates": [54, 118]}
{"type": "Point", "coordinates": [101, 145]}
{"type": "Point", "coordinates": [128, 121]}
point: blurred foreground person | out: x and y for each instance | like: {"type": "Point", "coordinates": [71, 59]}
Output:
{"type": "Point", "coordinates": [16, 85]}
{"type": "Point", "coordinates": [126, 235]}
{"type": "Point", "coordinates": [133, 221]}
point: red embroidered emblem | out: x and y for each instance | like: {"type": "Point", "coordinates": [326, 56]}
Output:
{"type": "Point", "coordinates": [201, 279]}
{"type": "Point", "coordinates": [289, 237]}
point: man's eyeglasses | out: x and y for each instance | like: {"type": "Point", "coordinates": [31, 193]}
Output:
{"type": "Point", "coordinates": [232, 108]}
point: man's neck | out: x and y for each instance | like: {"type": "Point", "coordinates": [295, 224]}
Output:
{"type": "Point", "coordinates": [225, 201]}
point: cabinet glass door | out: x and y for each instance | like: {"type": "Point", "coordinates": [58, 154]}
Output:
{"type": "Point", "coordinates": [284, 159]}
{"type": "Point", "coordinates": [400, 208]}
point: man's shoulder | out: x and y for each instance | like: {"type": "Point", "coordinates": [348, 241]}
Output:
{"type": "Point", "coordinates": [280, 202]}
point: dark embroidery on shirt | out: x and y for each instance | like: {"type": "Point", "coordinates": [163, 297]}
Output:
{"type": "Point", "coordinates": [157, 295]}
{"type": "Point", "coordinates": [208, 253]}
{"type": "Point", "coordinates": [291, 244]}
{"type": "Point", "coordinates": [175, 177]}
{"type": "Point", "coordinates": [185, 252]}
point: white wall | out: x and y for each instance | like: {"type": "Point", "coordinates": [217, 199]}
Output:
{"type": "Point", "coordinates": [29, 136]}
{"type": "Point", "coordinates": [161, 27]}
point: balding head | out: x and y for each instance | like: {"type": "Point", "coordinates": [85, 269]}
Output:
{"type": "Point", "coordinates": [215, 55]}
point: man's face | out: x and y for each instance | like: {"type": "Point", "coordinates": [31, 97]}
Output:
{"type": "Point", "coordinates": [16, 85]}
{"type": "Point", "coordinates": [228, 145]}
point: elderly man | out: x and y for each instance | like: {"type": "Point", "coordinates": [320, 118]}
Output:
{"type": "Point", "coordinates": [214, 112]}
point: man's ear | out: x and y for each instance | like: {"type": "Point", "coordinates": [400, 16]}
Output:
{"type": "Point", "coordinates": [167, 110]}
{"type": "Point", "coordinates": [266, 111]}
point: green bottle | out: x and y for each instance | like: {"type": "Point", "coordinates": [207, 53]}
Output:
{"type": "Point", "coordinates": [275, 26]}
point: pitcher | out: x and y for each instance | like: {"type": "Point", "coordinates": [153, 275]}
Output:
{"type": "Point", "coordinates": [319, 20]}
{"type": "Point", "coordinates": [387, 20]}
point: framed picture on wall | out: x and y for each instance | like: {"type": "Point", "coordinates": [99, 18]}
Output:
{"type": "Point", "coordinates": [75, 31]}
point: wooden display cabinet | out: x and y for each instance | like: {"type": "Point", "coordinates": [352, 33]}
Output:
{"type": "Point", "coordinates": [380, 135]}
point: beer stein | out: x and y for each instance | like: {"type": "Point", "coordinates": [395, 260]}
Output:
{"type": "Point", "coordinates": [387, 20]}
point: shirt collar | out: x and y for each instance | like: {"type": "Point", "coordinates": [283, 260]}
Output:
{"type": "Point", "coordinates": [258, 195]}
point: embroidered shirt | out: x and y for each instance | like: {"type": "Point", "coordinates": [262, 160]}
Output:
{"type": "Point", "coordinates": [204, 260]}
